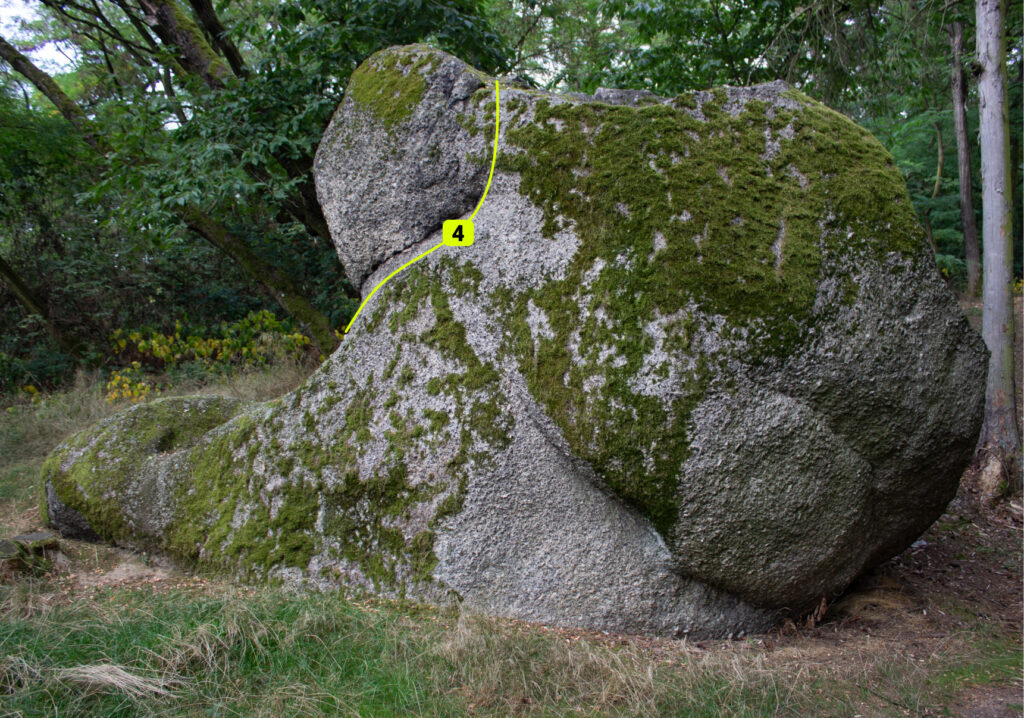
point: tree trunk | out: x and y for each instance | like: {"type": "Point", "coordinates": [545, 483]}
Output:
{"type": "Point", "coordinates": [926, 220]}
{"type": "Point", "coordinates": [963, 155]}
{"type": "Point", "coordinates": [1000, 440]}
{"type": "Point", "coordinates": [927, 217]}
{"type": "Point", "coordinates": [938, 160]}
{"type": "Point", "coordinates": [34, 305]}
{"type": "Point", "coordinates": [175, 28]}
{"type": "Point", "coordinates": [219, 36]}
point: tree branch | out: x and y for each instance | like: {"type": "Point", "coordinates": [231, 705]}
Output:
{"type": "Point", "coordinates": [219, 35]}
{"type": "Point", "coordinates": [34, 305]}
{"type": "Point", "coordinates": [176, 29]}
{"type": "Point", "coordinates": [45, 84]}
{"type": "Point", "coordinates": [279, 284]}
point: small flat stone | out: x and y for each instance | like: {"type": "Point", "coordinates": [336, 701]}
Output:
{"type": "Point", "coordinates": [36, 541]}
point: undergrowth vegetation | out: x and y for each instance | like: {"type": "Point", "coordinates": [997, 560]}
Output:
{"type": "Point", "coordinates": [256, 342]}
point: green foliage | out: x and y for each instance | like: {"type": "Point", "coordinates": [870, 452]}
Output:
{"type": "Point", "coordinates": [953, 269]}
{"type": "Point", "coordinates": [100, 237]}
{"type": "Point", "coordinates": [35, 360]}
{"type": "Point", "coordinates": [94, 274]}
{"type": "Point", "coordinates": [562, 44]}
{"type": "Point", "coordinates": [913, 139]}
{"type": "Point", "coordinates": [682, 45]}
{"type": "Point", "coordinates": [255, 340]}
{"type": "Point", "coordinates": [854, 56]}
{"type": "Point", "coordinates": [103, 240]}
{"type": "Point", "coordinates": [249, 145]}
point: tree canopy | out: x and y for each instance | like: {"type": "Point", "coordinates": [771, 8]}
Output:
{"type": "Point", "coordinates": [163, 176]}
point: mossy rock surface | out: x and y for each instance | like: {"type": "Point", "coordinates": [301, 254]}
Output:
{"type": "Point", "coordinates": [697, 372]}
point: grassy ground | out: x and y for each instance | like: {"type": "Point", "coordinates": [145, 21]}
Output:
{"type": "Point", "coordinates": [934, 632]}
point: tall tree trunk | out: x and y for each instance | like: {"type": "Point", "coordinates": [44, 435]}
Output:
{"type": "Point", "coordinates": [999, 436]}
{"type": "Point", "coordinates": [935, 190]}
{"type": "Point", "coordinates": [34, 305]}
{"type": "Point", "coordinates": [938, 160]}
{"type": "Point", "coordinates": [277, 285]}
{"type": "Point", "coordinates": [963, 155]}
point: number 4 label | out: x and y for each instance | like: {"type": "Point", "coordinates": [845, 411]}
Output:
{"type": "Point", "coordinates": [457, 232]}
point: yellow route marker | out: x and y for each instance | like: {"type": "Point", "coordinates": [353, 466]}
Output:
{"type": "Point", "coordinates": [457, 232]}
{"type": "Point", "coordinates": [454, 232]}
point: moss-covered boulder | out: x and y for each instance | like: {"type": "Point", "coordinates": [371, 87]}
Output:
{"type": "Point", "coordinates": [696, 372]}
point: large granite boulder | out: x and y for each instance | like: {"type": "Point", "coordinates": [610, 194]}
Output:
{"type": "Point", "coordinates": [697, 371]}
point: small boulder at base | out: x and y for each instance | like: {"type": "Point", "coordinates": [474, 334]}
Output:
{"type": "Point", "coordinates": [696, 372]}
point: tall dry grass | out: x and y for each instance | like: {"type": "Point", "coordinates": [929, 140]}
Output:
{"type": "Point", "coordinates": [30, 427]}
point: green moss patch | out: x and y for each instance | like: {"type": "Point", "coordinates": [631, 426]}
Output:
{"type": "Point", "coordinates": [104, 460]}
{"type": "Point", "coordinates": [673, 211]}
{"type": "Point", "coordinates": [391, 84]}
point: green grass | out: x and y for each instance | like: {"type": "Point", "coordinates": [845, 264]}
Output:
{"type": "Point", "coordinates": [995, 662]}
{"type": "Point", "coordinates": [272, 655]}
{"type": "Point", "coordinates": [228, 651]}
{"type": "Point", "coordinates": [16, 482]}
{"type": "Point", "coordinates": [219, 650]}
{"type": "Point", "coordinates": [136, 652]}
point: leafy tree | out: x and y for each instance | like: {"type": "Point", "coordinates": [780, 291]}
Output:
{"type": "Point", "coordinates": [562, 44]}
{"type": "Point", "coordinates": [84, 275]}
{"type": "Point", "coordinates": [210, 124]}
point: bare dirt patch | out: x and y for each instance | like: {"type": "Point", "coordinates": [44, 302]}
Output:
{"type": "Point", "coordinates": [961, 579]}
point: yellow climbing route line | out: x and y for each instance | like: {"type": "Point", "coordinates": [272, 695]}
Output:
{"type": "Point", "coordinates": [494, 155]}
{"type": "Point", "coordinates": [494, 158]}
